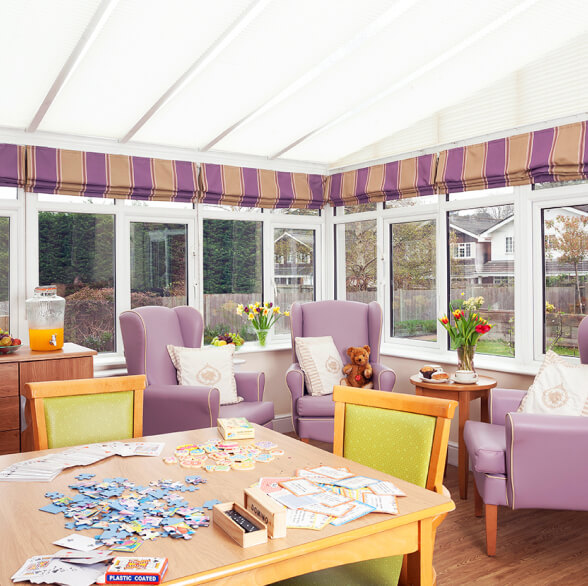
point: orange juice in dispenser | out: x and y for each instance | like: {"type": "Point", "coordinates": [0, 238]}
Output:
{"type": "Point", "coordinates": [45, 314]}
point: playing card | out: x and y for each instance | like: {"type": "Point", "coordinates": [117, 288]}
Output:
{"type": "Point", "coordinates": [78, 542]}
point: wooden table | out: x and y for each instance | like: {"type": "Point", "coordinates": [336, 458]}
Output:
{"type": "Point", "coordinates": [463, 394]}
{"type": "Point", "coordinates": [27, 366]}
{"type": "Point", "coordinates": [211, 556]}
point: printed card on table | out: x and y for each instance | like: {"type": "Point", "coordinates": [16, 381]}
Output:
{"type": "Point", "coordinates": [78, 542]}
{"type": "Point", "coordinates": [300, 519]}
{"type": "Point", "coordinates": [384, 487]}
{"type": "Point", "coordinates": [314, 477]}
{"type": "Point", "coordinates": [359, 510]}
{"type": "Point", "coordinates": [330, 472]}
{"type": "Point", "coordinates": [272, 484]}
{"type": "Point", "coordinates": [300, 487]}
{"type": "Point", "coordinates": [291, 501]}
{"type": "Point", "coordinates": [331, 499]}
{"type": "Point", "coordinates": [356, 482]}
{"type": "Point", "coordinates": [337, 511]}
{"type": "Point", "coordinates": [381, 503]}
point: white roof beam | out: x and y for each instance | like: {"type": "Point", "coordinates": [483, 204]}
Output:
{"type": "Point", "coordinates": [227, 36]}
{"type": "Point", "coordinates": [431, 65]}
{"type": "Point", "coordinates": [94, 27]}
{"type": "Point", "coordinates": [366, 34]}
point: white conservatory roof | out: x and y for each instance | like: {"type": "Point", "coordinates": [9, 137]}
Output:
{"type": "Point", "coordinates": [311, 85]}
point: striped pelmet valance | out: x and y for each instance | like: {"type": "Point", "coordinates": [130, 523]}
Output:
{"type": "Point", "coordinates": [554, 154]}
{"type": "Point", "coordinates": [12, 165]}
{"type": "Point", "coordinates": [247, 187]}
{"type": "Point", "coordinates": [81, 173]}
{"type": "Point", "coordinates": [396, 180]}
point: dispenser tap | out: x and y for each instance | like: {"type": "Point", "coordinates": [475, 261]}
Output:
{"type": "Point", "coordinates": [53, 340]}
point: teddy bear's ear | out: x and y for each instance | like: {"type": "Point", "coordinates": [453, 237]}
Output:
{"type": "Point", "coordinates": [367, 349]}
{"type": "Point", "coordinates": [350, 351]}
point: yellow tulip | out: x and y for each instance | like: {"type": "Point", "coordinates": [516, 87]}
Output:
{"type": "Point", "coordinates": [251, 317]}
{"type": "Point", "coordinates": [277, 309]}
{"type": "Point", "coordinates": [265, 311]}
{"type": "Point", "coordinates": [287, 313]}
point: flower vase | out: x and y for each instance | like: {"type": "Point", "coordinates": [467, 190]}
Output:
{"type": "Point", "coordinates": [465, 358]}
{"type": "Point", "coordinates": [262, 336]}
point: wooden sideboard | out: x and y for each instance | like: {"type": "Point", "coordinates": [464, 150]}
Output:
{"type": "Point", "coordinates": [25, 366]}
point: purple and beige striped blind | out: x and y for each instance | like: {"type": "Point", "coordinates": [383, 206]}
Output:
{"type": "Point", "coordinates": [247, 187]}
{"type": "Point", "coordinates": [396, 180]}
{"type": "Point", "coordinates": [12, 165]}
{"type": "Point", "coordinates": [553, 154]}
{"type": "Point", "coordinates": [68, 172]}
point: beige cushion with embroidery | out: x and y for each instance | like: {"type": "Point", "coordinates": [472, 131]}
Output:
{"type": "Point", "coordinates": [321, 364]}
{"type": "Point", "coordinates": [560, 388]}
{"type": "Point", "coordinates": [211, 366]}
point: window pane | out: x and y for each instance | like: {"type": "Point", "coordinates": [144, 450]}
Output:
{"type": "Point", "coordinates": [8, 193]}
{"type": "Point", "coordinates": [566, 270]}
{"type": "Point", "coordinates": [5, 275]}
{"type": "Point", "coordinates": [414, 306]}
{"type": "Point", "coordinates": [361, 261]}
{"type": "Point", "coordinates": [359, 208]}
{"type": "Point", "coordinates": [232, 268]}
{"type": "Point", "coordinates": [75, 199]}
{"type": "Point", "coordinates": [158, 264]}
{"type": "Point", "coordinates": [411, 201]}
{"type": "Point", "coordinates": [295, 212]}
{"type": "Point", "coordinates": [171, 205]}
{"type": "Point", "coordinates": [294, 266]}
{"type": "Point", "coordinates": [76, 252]}
{"type": "Point", "coordinates": [480, 265]}
{"type": "Point", "coordinates": [482, 193]}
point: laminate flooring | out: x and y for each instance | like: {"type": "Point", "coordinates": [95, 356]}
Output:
{"type": "Point", "coordinates": [534, 547]}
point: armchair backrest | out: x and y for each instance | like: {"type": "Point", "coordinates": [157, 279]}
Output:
{"type": "Point", "coordinates": [350, 323]}
{"type": "Point", "coordinates": [146, 332]}
{"type": "Point", "coordinates": [583, 340]}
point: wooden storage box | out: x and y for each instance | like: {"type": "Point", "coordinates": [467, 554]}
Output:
{"type": "Point", "coordinates": [234, 428]}
{"type": "Point", "coordinates": [233, 530]}
{"type": "Point", "coordinates": [267, 510]}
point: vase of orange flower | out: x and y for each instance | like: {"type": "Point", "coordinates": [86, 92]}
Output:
{"type": "Point", "coordinates": [261, 316]}
{"type": "Point", "coordinates": [466, 329]}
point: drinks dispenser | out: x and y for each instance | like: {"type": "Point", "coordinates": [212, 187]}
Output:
{"type": "Point", "coordinates": [45, 312]}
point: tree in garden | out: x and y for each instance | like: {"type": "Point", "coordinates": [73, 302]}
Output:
{"type": "Point", "coordinates": [570, 239]}
{"type": "Point", "coordinates": [413, 255]}
{"type": "Point", "coordinates": [360, 256]}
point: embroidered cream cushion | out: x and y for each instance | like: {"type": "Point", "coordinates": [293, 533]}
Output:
{"type": "Point", "coordinates": [560, 388]}
{"type": "Point", "coordinates": [321, 363]}
{"type": "Point", "coordinates": [211, 366]}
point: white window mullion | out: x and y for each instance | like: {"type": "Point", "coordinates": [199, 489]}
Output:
{"type": "Point", "coordinates": [122, 267]}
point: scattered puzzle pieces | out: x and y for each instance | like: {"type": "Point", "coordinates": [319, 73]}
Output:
{"type": "Point", "coordinates": [85, 476]}
{"type": "Point", "coordinates": [127, 514]}
{"type": "Point", "coordinates": [209, 504]}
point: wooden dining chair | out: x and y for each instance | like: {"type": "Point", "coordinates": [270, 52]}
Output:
{"type": "Point", "coordinates": [82, 411]}
{"type": "Point", "coordinates": [402, 435]}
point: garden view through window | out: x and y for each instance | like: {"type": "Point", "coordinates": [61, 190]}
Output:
{"type": "Point", "coordinates": [413, 286]}
{"type": "Point", "coordinates": [480, 266]}
{"type": "Point", "coordinates": [158, 264]}
{"type": "Point", "coordinates": [232, 271]}
{"type": "Point", "coordinates": [361, 261]}
{"type": "Point", "coordinates": [294, 270]}
{"type": "Point", "coordinates": [565, 231]}
{"type": "Point", "coordinates": [76, 253]}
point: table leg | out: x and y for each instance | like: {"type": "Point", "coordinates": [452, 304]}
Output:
{"type": "Point", "coordinates": [419, 565]}
{"type": "Point", "coordinates": [484, 408]}
{"type": "Point", "coordinates": [463, 464]}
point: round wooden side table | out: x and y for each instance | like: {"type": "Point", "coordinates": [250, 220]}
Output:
{"type": "Point", "coordinates": [463, 394]}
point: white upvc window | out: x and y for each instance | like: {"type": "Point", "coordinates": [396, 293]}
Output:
{"type": "Point", "coordinates": [509, 245]}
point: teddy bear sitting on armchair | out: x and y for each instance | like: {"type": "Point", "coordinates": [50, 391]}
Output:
{"type": "Point", "coordinates": [359, 372]}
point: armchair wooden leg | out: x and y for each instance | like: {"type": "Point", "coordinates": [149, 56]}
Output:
{"type": "Point", "coordinates": [305, 440]}
{"type": "Point", "coordinates": [491, 527]}
{"type": "Point", "coordinates": [478, 503]}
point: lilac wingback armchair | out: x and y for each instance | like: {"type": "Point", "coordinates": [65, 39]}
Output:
{"type": "Point", "coordinates": [526, 460]}
{"type": "Point", "coordinates": [167, 406]}
{"type": "Point", "coordinates": [350, 324]}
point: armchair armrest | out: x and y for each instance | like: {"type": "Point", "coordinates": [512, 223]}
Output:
{"type": "Point", "coordinates": [547, 461]}
{"type": "Point", "coordinates": [295, 382]}
{"type": "Point", "coordinates": [250, 385]}
{"type": "Point", "coordinates": [384, 378]}
{"type": "Point", "coordinates": [169, 408]}
{"type": "Point", "coordinates": [503, 401]}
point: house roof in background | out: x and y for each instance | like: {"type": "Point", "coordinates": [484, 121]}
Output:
{"type": "Point", "coordinates": [287, 84]}
{"type": "Point", "coordinates": [476, 224]}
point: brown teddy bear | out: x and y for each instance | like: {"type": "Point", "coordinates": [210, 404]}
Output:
{"type": "Point", "coordinates": [359, 372]}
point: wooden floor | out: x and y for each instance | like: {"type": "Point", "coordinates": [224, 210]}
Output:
{"type": "Point", "coordinates": [534, 547]}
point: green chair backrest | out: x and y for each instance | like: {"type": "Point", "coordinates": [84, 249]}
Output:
{"type": "Point", "coordinates": [399, 443]}
{"type": "Point", "coordinates": [86, 419]}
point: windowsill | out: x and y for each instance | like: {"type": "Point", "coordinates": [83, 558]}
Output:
{"type": "Point", "coordinates": [483, 361]}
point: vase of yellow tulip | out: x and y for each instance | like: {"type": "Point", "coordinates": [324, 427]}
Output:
{"type": "Point", "coordinates": [261, 316]}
